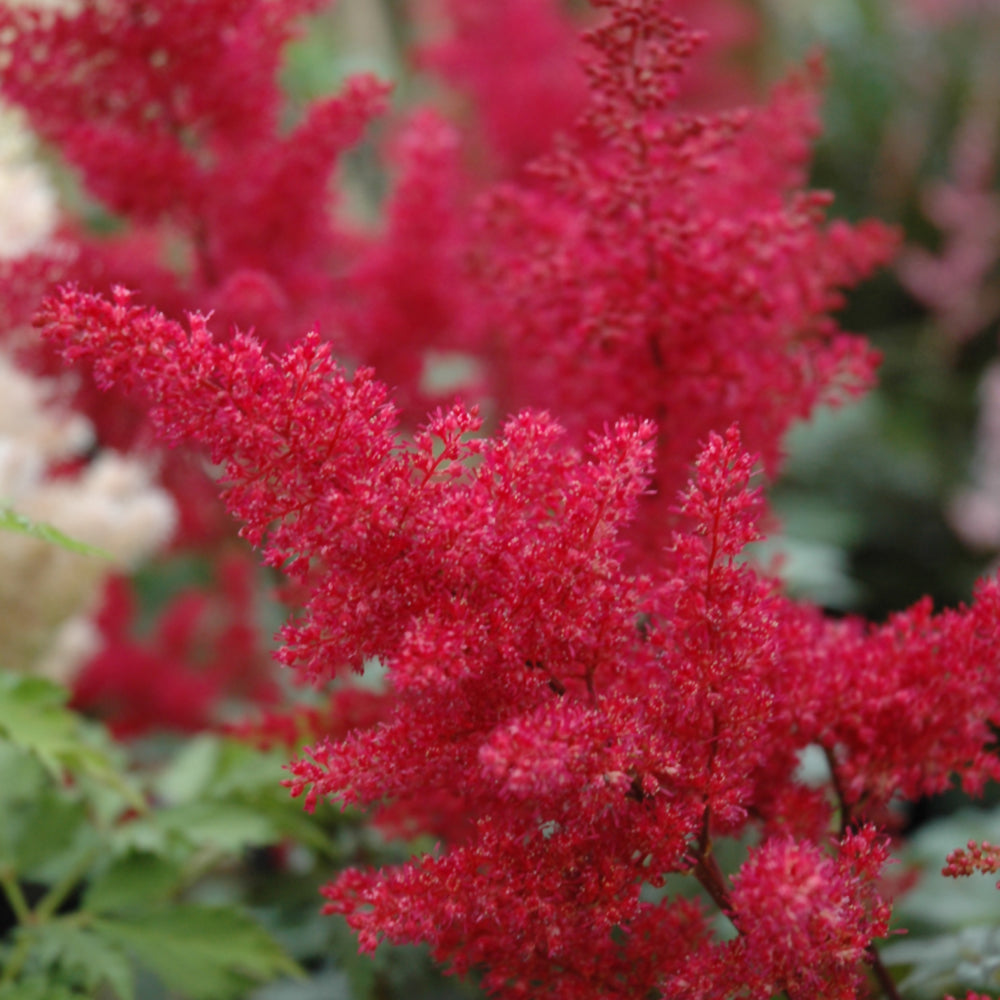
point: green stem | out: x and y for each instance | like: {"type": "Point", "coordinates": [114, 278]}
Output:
{"type": "Point", "coordinates": [19, 905]}
{"type": "Point", "coordinates": [57, 895]}
{"type": "Point", "coordinates": [15, 896]}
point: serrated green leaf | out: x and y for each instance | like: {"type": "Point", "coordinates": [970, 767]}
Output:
{"type": "Point", "coordinates": [11, 520]}
{"type": "Point", "coordinates": [40, 829]}
{"type": "Point", "coordinates": [206, 953]}
{"type": "Point", "coordinates": [137, 880]}
{"type": "Point", "coordinates": [83, 956]}
{"type": "Point", "coordinates": [33, 716]}
{"type": "Point", "coordinates": [22, 776]}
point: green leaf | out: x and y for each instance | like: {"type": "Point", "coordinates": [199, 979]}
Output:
{"type": "Point", "coordinates": [22, 776]}
{"type": "Point", "coordinates": [177, 831]}
{"type": "Point", "coordinates": [330, 984]}
{"type": "Point", "coordinates": [228, 795]}
{"type": "Point", "coordinates": [135, 881]}
{"type": "Point", "coordinates": [291, 821]}
{"type": "Point", "coordinates": [10, 520]}
{"type": "Point", "coordinates": [246, 771]}
{"type": "Point", "coordinates": [84, 957]}
{"type": "Point", "coordinates": [40, 829]}
{"type": "Point", "coordinates": [33, 715]}
{"type": "Point", "coordinates": [226, 826]}
{"type": "Point", "coordinates": [213, 767]}
{"type": "Point", "coordinates": [190, 774]}
{"type": "Point", "coordinates": [206, 953]}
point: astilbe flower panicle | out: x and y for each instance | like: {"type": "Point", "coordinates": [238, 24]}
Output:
{"type": "Point", "coordinates": [917, 701]}
{"type": "Point", "coordinates": [671, 264]}
{"type": "Point", "coordinates": [406, 294]}
{"type": "Point", "coordinates": [807, 919]}
{"type": "Point", "coordinates": [515, 60]}
{"type": "Point", "coordinates": [596, 729]}
{"type": "Point", "coordinates": [518, 64]}
{"type": "Point", "coordinates": [656, 262]}
{"type": "Point", "coordinates": [974, 857]}
{"type": "Point", "coordinates": [203, 656]}
{"type": "Point", "coordinates": [172, 117]}
{"type": "Point", "coordinates": [160, 107]}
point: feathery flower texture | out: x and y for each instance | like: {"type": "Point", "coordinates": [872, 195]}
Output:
{"type": "Point", "coordinates": [602, 729]}
{"type": "Point", "coordinates": [598, 722]}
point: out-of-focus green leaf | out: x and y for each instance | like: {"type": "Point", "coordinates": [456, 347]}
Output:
{"type": "Point", "coordinates": [39, 988]}
{"type": "Point", "coordinates": [190, 774]}
{"type": "Point", "coordinates": [39, 829]}
{"type": "Point", "coordinates": [225, 826]}
{"type": "Point", "coordinates": [948, 963]}
{"type": "Point", "coordinates": [205, 953]}
{"type": "Point", "coordinates": [84, 957]}
{"type": "Point", "coordinates": [33, 715]}
{"type": "Point", "coordinates": [135, 881]}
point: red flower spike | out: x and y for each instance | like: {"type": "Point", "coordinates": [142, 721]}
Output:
{"type": "Point", "coordinates": [807, 919]}
{"type": "Point", "coordinates": [916, 701]}
{"type": "Point", "coordinates": [671, 265]}
{"type": "Point", "coordinates": [515, 60]}
{"type": "Point", "coordinates": [593, 727]}
{"type": "Point", "coordinates": [972, 858]}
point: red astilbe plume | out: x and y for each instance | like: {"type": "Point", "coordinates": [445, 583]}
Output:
{"type": "Point", "coordinates": [672, 265]}
{"type": "Point", "coordinates": [598, 730]}
{"type": "Point", "coordinates": [972, 858]}
{"type": "Point", "coordinates": [517, 61]}
{"type": "Point", "coordinates": [584, 799]}
{"type": "Point", "coordinates": [170, 111]}
{"type": "Point", "coordinates": [137, 688]}
{"type": "Point", "coordinates": [917, 702]}
{"type": "Point", "coordinates": [409, 289]}
{"type": "Point", "coordinates": [807, 919]}
{"type": "Point", "coordinates": [727, 642]}
{"type": "Point", "coordinates": [316, 452]}
{"type": "Point", "coordinates": [592, 754]}
{"type": "Point", "coordinates": [172, 115]}
{"type": "Point", "coordinates": [202, 659]}
{"type": "Point", "coordinates": [518, 64]}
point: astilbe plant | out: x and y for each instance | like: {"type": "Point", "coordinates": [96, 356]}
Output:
{"type": "Point", "coordinates": [670, 264]}
{"type": "Point", "coordinates": [588, 713]}
{"type": "Point", "coordinates": [602, 730]}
